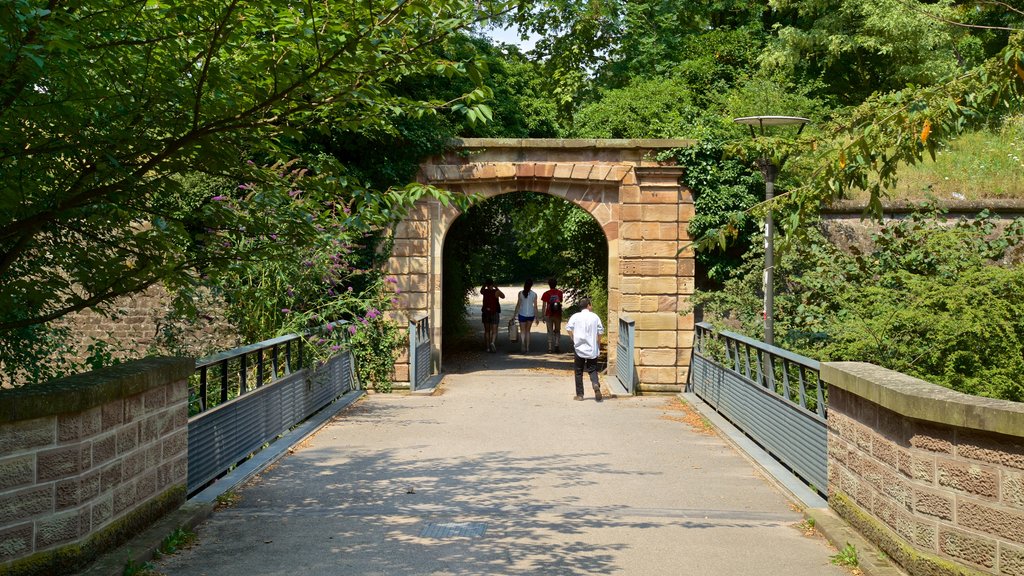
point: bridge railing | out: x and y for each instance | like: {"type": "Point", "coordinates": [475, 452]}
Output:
{"type": "Point", "coordinates": [420, 349]}
{"type": "Point", "coordinates": [231, 419]}
{"type": "Point", "coordinates": [774, 396]}
{"type": "Point", "coordinates": [625, 369]}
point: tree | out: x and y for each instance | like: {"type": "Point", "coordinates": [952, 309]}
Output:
{"type": "Point", "coordinates": [929, 298]}
{"type": "Point", "coordinates": [859, 47]}
{"type": "Point", "coordinates": [104, 104]}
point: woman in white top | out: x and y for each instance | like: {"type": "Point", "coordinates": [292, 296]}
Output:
{"type": "Point", "coordinates": [526, 311]}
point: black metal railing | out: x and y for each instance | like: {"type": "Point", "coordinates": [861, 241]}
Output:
{"type": "Point", "coordinates": [244, 369]}
{"type": "Point", "coordinates": [245, 398]}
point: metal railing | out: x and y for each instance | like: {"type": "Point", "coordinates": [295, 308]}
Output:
{"type": "Point", "coordinates": [419, 351]}
{"type": "Point", "coordinates": [234, 419]}
{"type": "Point", "coordinates": [235, 369]}
{"type": "Point", "coordinates": [774, 396]}
{"type": "Point", "coordinates": [625, 369]}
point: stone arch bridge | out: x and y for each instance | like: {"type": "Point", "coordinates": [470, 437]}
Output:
{"type": "Point", "coordinates": [641, 204]}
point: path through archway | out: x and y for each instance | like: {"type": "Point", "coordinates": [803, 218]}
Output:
{"type": "Point", "coordinates": [641, 204]}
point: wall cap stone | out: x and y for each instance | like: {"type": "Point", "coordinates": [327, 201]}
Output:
{"type": "Point", "coordinates": [572, 143]}
{"type": "Point", "coordinates": [87, 390]}
{"type": "Point", "coordinates": [922, 400]}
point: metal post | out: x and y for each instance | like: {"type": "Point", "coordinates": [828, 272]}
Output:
{"type": "Point", "coordinates": [769, 170]}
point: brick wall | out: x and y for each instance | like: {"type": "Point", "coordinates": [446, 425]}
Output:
{"type": "Point", "coordinates": [89, 460]}
{"type": "Point", "coordinates": [934, 476]}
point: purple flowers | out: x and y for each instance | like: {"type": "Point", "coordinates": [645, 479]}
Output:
{"type": "Point", "coordinates": [294, 193]}
{"type": "Point", "coordinates": [392, 280]}
{"type": "Point", "coordinates": [352, 330]}
{"type": "Point", "coordinates": [246, 186]}
{"type": "Point", "coordinates": [286, 310]}
{"type": "Point", "coordinates": [220, 198]}
{"type": "Point", "coordinates": [373, 313]}
{"type": "Point", "coordinates": [329, 327]}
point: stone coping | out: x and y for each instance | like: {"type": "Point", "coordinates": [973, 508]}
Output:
{"type": "Point", "coordinates": [572, 143]}
{"type": "Point", "coordinates": [996, 205]}
{"type": "Point", "coordinates": [87, 390]}
{"type": "Point", "coordinates": [921, 400]}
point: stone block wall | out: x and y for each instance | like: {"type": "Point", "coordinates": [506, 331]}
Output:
{"type": "Point", "coordinates": [90, 460]}
{"type": "Point", "coordinates": [641, 205]}
{"type": "Point", "coordinates": [934, 477]}
{"type": "Point", "coordinates": [657, 272]}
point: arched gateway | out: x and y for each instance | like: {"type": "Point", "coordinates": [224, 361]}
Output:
{"type": "Point", "coordinates": [641, 204]}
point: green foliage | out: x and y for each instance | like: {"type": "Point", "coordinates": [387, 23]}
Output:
{"type": "Point", "coordinates": [864, 46]}
{"type": "Point", "coordinates": [34, 353]}
{"type": "Point", "coordinates": [847, 556]}
{"type": "Point", "coordinates": [647, 108]}
{"type": "Point", "coordinates": [724, 190]}
{"type": "Point", "coordinates": [972, 166]}
{"type": "Point", "coordinates": [927, 299]}
{"type": "Point", "coordinates": [134, 568]}
{"type": "Point", "coordinates": [103, 107]}
{"type": "Point", "coordinates": [376, 342]}
{"type": "Point", "coordinates": [178, 539]}
{"type": "Point", "coordinates": [597, 291]}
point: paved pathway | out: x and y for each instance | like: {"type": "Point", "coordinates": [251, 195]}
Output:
{"type": "Point", "coordinates": [502, 472]}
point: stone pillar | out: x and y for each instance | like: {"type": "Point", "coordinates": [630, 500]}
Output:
{"type": "Point", "coordinates": [656, 266]}
{"type": "Point", "coordinates": [88, 461]}
{"type": "Point", "coordinates": [409, 265]}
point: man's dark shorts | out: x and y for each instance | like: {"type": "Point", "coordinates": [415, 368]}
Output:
{"type": "Point", "coordinates": [491, 317]}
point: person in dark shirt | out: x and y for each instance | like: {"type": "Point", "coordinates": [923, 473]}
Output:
{"type": "Point", "coordinates": [552, 300]}
{"type": "Point", "coordinates": [491, 313]}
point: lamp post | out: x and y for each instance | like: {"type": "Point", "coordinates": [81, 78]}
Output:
{"type": "Point", "coordinates": [769, 170]}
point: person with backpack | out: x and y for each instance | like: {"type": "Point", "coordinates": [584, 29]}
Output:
{"type": "Point", "coordinates": [552, 300]}
{"type": "Point", "coordinates": [491, 313]}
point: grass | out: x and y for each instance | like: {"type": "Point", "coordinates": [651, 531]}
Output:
{"type": "Point", "coordinates": [974, 166]}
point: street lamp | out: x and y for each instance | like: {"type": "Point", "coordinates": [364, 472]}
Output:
{"type": "Point", "coordinates": [770, 170]}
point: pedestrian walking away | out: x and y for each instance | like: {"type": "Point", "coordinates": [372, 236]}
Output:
{"type": "Point", "coordinates": [491, 313]}
{"type": "Point", "coordinates": [526, 312]}
{"type": "Point", "coordinates": [585, 328]}
{"type": "Point", "coordinates": [552, 300]}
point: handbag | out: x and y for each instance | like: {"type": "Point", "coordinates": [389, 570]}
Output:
{"type": "Point", "coordinates": [513, 330]}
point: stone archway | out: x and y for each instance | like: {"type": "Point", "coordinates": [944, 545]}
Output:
{"type": "Point", "coordinates": [641, 204]}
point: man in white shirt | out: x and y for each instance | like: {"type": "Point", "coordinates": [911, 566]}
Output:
{"type": "Point", "coordinates": [585, 329]}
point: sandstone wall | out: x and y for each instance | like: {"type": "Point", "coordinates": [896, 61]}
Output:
{"type": "Point", "coordinates": [90, 460]}
{"type": "Point", "coordinates": [935, 477]}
